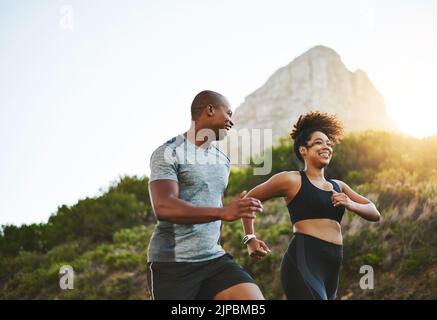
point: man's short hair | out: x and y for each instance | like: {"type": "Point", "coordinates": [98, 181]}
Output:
{"type": "Point", "coordinates": [204, 98]}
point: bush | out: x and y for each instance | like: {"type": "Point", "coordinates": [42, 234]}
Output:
{"type": "Point", "coordinates": [416, 260]}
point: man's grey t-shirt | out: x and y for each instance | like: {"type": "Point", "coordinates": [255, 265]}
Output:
{"type": "Point", "coordinates": [202, 175]}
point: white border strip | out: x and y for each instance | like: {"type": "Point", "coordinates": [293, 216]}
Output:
{"type": "Point", "coordinates": [151, 281]}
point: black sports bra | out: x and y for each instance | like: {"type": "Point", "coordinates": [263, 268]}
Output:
{"type": "Point", "coordinates": [312, 202]}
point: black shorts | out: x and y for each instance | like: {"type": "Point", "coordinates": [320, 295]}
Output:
{"type": "Point", "coordinates": [194, 280]}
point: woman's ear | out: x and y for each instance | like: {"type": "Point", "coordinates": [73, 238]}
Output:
{"type": "Point", "coordinates": [302, 151]}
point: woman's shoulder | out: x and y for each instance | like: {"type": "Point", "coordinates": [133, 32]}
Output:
{"type": "Point", "coordinates": [292, 176]}
{"type": "Point", "coordinates": [294, 173]}
{"type": "Point", "coordinates": [339, 182]}
{"type": "Point", "coordinates": [294, 182]}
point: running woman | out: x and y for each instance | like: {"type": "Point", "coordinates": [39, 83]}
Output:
{"type": "Point", "coordinates": [311, 264]}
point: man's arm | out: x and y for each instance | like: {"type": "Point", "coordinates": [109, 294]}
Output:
{"type": "Point", "coordinates": [167, 206]}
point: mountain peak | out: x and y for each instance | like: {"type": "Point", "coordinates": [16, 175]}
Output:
{"type": "Point", "coordinates": [323, 50]}
{"type": "Point", "coordinates": [315, 80]}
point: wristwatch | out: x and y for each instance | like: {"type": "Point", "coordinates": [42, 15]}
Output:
{"type": "Point", "coordinates": [248, 237]}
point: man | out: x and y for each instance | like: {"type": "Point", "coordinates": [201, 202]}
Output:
{"type": "Point", "coordinates": [187, 181]}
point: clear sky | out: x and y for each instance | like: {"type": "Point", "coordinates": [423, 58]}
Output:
{"type": "Point", "coordinates": [89, 88]}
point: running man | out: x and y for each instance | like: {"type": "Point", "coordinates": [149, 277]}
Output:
{"type": "Point", "coordinates": [187, 181]}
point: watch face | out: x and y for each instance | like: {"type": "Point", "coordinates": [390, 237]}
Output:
{"type": "Point", "coordinates": [247, 238]}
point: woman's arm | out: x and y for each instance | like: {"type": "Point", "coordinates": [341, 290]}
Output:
{"type": "Point", "coordinates": [277, 186]}
{"type": "Point", "coordinates": [355, 202]}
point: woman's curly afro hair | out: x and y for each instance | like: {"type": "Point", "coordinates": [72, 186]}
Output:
{"type": "Point", "coordinates": [315, 121]}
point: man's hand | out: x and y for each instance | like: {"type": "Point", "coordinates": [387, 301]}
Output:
{"type": "Point", "coordinates": [257, 249]}
{"type": "Point", "coordinates": [241, 207]}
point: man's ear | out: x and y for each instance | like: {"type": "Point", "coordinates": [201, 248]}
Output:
{"type": "Point", "coordinates": [210, 110]}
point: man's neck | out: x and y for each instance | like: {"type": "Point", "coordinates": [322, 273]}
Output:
{"type": "Point", "coordinates": [191, 135]}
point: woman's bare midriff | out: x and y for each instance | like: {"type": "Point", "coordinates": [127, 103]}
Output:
{"type": "Point", "coordinates": [325, 229]}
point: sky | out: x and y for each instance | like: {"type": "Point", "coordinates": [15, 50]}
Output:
{"type": "Point", "coordinates": [88, 89]}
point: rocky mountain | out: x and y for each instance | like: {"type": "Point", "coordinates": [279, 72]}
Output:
{"type": "Point", "coordinates": [315, 80]}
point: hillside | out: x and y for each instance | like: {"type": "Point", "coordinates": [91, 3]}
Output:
{"type": "Point", "coordinates": [105, 238]}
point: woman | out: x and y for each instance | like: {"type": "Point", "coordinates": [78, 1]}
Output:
{"type": "Point", "coordinates": [310, 267]}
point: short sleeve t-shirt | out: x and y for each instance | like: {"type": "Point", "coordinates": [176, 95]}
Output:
{"type": "Point", "coordinates": [202, 175]}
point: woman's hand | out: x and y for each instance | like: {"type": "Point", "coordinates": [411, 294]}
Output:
{"type": "Point", "coordinates": [257, 249]}
{"type": "Point", "coordinates": [339, 198]}
{"type": "Point", "coordinates": [355, 202]}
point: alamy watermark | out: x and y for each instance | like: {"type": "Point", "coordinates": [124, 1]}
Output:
{"type": "Point", "coordinates": [242, 148]}
{"type": "Point", "coordinates": [367, 281]}
{"type": "Point", "coordinates": [367, 17]}
{"type": "Point", "coordinates": [66, 20]}
{"type": "Point", "coordinates": [66, 280]}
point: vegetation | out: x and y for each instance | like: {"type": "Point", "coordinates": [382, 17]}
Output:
{"type": "Point", "coordinates": [105, 238]}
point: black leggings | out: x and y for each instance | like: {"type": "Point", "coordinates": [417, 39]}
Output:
{"type": "Point", "coordinates": [310, 268]}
